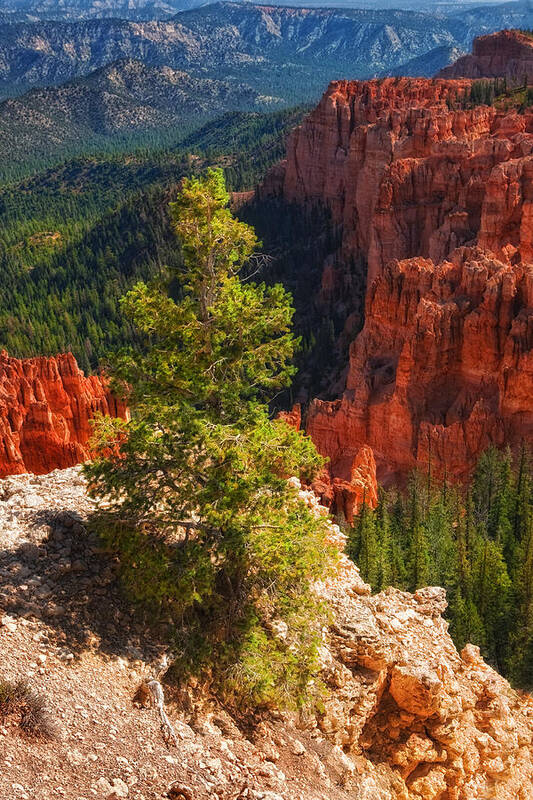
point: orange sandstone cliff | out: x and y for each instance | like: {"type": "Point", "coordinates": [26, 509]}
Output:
{"type": "Point", "coordinates": [442, 368]}
{"type": "Point", "coordinates": [46, 405]}
{"type": "Point", "coordinates": [402, 168]}
{"type": "Point", "coordinates": [506, 54]}
{"type": "Point", "coordinates": [438, 199]}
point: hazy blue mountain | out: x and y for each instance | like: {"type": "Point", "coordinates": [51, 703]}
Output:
{"type": "Point", "coordinates": [87, 9]}
{"type": "Point", "coordinates": [430, 63]}
{"type": "Point", "coordinates": [24, 10]}
{"type": "Point", "coordinates": [121, 101]}
{"type": "Point", "coordinates": [288, 52]}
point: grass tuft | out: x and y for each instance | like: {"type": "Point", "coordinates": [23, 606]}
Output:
{"type": "Point", "coordinates": [22, 706]}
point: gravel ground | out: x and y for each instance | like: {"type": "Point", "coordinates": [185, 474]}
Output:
{"type": "Point", "coordinates": [67, 631]}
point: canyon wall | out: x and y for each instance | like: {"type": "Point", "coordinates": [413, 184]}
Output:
{"type": "Point", "coordinates": [438, 198]}
{"type": "Point", "coordinates": [46, 405]}
{"type": "Point", "coordinates": [506, 54]}
{"type": "Point", "coordinates": [402, 167]}
{"type": "Point", "coordinates": [442, 368]}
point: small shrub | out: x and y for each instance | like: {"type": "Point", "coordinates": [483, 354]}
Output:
{"type": "Point", "coordinates": [20, 704]}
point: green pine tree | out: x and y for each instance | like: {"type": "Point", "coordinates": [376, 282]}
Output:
{"type": "Point", "coordinates": [419, 554]}
{"type": "Point", "coordinates": [205, 523]}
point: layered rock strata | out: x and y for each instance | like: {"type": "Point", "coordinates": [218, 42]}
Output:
{"type": "Point", "coordinates": [439, 199]}
{"type": "Point", "coordinates": [506, 54]}
{"type": "Point", "coordinates": [46, 407]}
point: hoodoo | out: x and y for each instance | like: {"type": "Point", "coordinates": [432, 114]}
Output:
{"type": "Point", "coordinates": [46, 405]}
{"type": "Point", "coordinates": [436, 194]}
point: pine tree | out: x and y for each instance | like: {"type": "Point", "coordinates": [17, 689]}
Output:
{"type": "Point", "coordinates": [388, 568]}
{"type": "Point", "coordinates": [493, 590]}
{"type": "Point", "coordinates": [206, 526]}
{"type": "Point", "coordinates": [367, 555]}
{"type": "Point", "coordinates": [399, 542]}
{"type": "Point", "coordinates": [521, 646]}
{"type": "Point", "coordinates": [419, 554]}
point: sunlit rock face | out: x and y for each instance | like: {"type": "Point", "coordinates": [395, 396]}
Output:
{"type": "Point", "coordinates": [442, 368]}
{"type": "Point", "coordinates": [439, 200]}
{"type": "Point", "coordinates": [46, 405]}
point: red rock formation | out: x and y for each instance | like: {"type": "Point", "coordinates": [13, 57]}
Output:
{"type": "Point", "coordinates": [293, 417]}
{"type": "Point", "coordinates": [442, 368]}
{"type": "Point", "coordinates": [46, 405]}
{"type": "Point", "coordinates": [440, 202]}
{"type": "Point", "coordinates": [504, 54]}
{"type": "Point", "coordinates": [349, 482]}
{"type": "Point", "coordinates": [403, 174]}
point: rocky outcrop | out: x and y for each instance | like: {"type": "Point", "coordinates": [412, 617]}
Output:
{"type": "Point", "coordinates": [442, 368]}
{"type": "Point", "coordinates": [417, 720]}
{"type": "Point", "coordinates": [347, 484]}
{"type": "Point", "coordinates": [506, 54]}
{"type": "Point", "coordinates": [404, 715]}
{"type": "Point", "coordinates": [438, 199]}
{"type": "Point", "coordinates": [46, 405]}
{"type": "Point", "coordinates": [402, 170]}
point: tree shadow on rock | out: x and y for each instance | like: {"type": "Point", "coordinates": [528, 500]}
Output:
{"type": "Point", "coordinates": [64, 577]}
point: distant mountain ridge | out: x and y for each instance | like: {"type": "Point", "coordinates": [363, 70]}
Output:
{"type": "Point", "coordinates": [286, 51]}
{"type": "Point", "coordinates": [430, 63]}
{"type": "Point", "coordinates": [126, 97]}
{"type": "Point", "coordinates": [28, 10]}
{"type": "Point", "coordinates": [87, 9]}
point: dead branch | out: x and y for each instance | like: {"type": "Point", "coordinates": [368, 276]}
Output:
{"type": "Point", "coordinates": [167, 730]}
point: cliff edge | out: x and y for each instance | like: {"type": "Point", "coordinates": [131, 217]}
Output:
{"type": "Point", "coordinates": [404, 717]}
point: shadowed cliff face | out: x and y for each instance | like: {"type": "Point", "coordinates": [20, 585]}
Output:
{"type": "Point", "coordinates": [439, 200]}
{"type": "Point", "coordinates": [46, 405]}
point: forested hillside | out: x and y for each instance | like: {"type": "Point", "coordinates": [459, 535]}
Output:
{"type": "Point", "coordinates": [74, 237]}
{"type": "Point", "coordinates": [114, 108]}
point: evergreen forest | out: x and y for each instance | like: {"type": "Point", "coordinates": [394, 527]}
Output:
{"type": "Point", "coordinates": [476, 541]}
{"type": "Point", "coordinates": [76, 235]}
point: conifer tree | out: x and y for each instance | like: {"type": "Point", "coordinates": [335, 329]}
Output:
{"type": "Point", "coordinates": [419, 555]}
{"type": "Point", "coordinates": [205, 523]}
{"type": "Point", "coordinates": [493, 587]}
{"type": "Point", "coordinates": [366, 554]}
{"type": "Point", "coordinates": [388, 569]}
{"type": "Point", "coordinates": [476, 541]}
